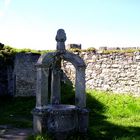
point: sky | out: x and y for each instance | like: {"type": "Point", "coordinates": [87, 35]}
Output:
{"type": "Point", "coordinates": [91, 23]}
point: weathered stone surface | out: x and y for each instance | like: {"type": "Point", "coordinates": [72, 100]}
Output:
{"type": "Point", "coordinates": [55, 117]}
{"type": "Point", "coordinates": [61, 38]}
{"type": "Point", "coordinates": [3, 80]}
{"type": "Point", "coordinates": [42, 88]}
{"type": "Point", "coordinates": [74, 46]}
{"type": "Point", "coordinates": [111, 72]}
{"type": "Point", "coordinates": [7, 78]}
{"type": "Point", "coordinates": [55, 86]}
{"type": "Point", "coordinates": [19, 79]}
{"type": "Point", "coordinates": [25, 74]}
{"type": "Point", "coordinates": [60, 120]}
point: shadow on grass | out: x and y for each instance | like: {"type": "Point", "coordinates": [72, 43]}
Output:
{"type": "Point", "coordinates": [16, 111]}
{"type": "Point", "coordinates": [101, 129]}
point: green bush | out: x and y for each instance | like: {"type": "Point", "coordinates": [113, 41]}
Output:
{"type": "Point", "coordinates": [7, 53]}
{"type": "Point", "coordinates": [91, 49]}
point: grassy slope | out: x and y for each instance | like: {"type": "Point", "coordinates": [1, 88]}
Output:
{"type": "Point", "coordinates": [112, 116]}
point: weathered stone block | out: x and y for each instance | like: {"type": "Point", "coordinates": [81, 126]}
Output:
{"type": "Point", "coordinates": [74, 46]}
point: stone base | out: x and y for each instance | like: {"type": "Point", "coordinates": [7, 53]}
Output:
{"type": "Point", "coordinates": [39, 120]}
{"type": "Point", "coordinates": [60, 119]}
{"type": "Point", "coordinates": [83, 115]}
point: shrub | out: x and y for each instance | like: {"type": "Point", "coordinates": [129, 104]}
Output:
{"type": "Point", "coordinates": [91, 49]}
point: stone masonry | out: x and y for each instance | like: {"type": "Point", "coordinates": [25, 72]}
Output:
{"type": "Point", "coordinates": [117, 72]}
{"type": "Point", "coordinates": [25, 74]}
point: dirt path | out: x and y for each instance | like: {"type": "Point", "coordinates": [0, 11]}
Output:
{"type": "Point", "coordinates": [10, 133]}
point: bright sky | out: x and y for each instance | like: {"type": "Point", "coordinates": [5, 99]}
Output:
{"type": "Point", "coordinates": [93, 23]}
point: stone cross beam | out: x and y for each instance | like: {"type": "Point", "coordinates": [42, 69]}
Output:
{"type": "Point", "coordinates": [60, 38]}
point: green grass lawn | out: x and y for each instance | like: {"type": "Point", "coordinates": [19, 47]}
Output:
{"type": "Point", "coordinates": [16, 111]}
{"type": "Point", "coordinates": [111, 117]}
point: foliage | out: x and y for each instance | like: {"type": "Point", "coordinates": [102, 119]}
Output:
{"type": "Point", "coordinates": [120, 51]}
{"type": "Point", "coordinates": [6, 54]}
{"type": "Point", "coordinates": [39, 137]}
{"type": "Point", "coordinates": [91, 49]}
{"type": "Point", "coordinates": [9, 51]}
{"type": "Point", "coordinates": [26, 50]}
{"type": "Point", "coordinates": [75, 50]}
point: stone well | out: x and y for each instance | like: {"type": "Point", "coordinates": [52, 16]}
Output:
{"type": "Point", "coordinates": [55, 117]}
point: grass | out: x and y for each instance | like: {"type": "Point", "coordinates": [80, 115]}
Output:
{"type": "Point", "coordinates": [112, 116]}
{"type": "Point", "coordinates": [16, 111]}
{"type": "Point", "coordinates": [117, 116]}
{"type": "Point", "coordinates": [124, 107]}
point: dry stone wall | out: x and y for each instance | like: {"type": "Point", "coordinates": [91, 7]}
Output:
{"type": "Point", "coordinates": [116, 72]}
{"type": "Point", "coordinates": [25, 74]}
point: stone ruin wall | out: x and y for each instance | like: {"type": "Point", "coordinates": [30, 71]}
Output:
{"type": "Point", "coordinates": [117, 72]}
{"type": "Point", "coordinates": [25, 74]}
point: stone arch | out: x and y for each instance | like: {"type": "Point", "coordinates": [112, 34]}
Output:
{"type": "Point", "coordinates": [76, 60]}
{"type": "Point", "coordinates": [46, 60]}
{"type": "Point", "coordinates": [43, 65]}
{"type": "Point", "coordinates": [80, 97]}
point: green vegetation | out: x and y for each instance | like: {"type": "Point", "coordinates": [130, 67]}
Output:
{"type": "Point", "coordinates": [75, 50]}
{"type": "Point", "coordinates": [120, 51]}
{"type": "Point", "coordinates": [16, 111]}
{"type": "Point", "coordinates": [6, 54]}
{"type": "Point", "coordinates": [8, 51]}
{"type": "Point", "coordinates": [109, 51]}
{"type": "Point", "coordinates": [26, 50]}
{"type": "Point", "coordinates": [91, 49]}
{"type": "Point", "coordinates": [112, 116]}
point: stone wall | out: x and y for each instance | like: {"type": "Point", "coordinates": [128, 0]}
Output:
{"type": "Point", "coordinates": [25, 74]}
{"type": "Point", "coordinates": [6, 77]}
{"type": "Point", "coordinates": [3, 78]}
{"type": "Point", "coordinates": [117, 72]}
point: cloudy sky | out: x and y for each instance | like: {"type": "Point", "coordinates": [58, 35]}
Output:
{"type": "Point", "coordinates": [93, 23]}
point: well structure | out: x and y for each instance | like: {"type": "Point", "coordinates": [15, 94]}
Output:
{"type": "Point", "coordinates": [55, 117]}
